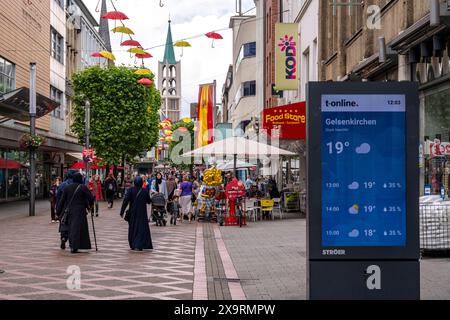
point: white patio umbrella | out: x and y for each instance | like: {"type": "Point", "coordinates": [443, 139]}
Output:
{"type": "Point", "coordinates": [238, 147]}
{"type": "Point", "coordinates": [229, 165]}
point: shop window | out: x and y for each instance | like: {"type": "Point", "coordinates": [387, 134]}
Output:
{"type": "Point", "coordinates": [437, 126]}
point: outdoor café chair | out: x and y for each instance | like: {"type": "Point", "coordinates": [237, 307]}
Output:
{"type": "Point", "coordinates": [251, 208]}
{"type": "Point", "coordinates": [277, 206]}
{"type": "Point", "coordinates": [267, 206]}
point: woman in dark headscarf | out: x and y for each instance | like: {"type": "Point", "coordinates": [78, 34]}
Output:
{"type": "Point", "coordinates": [77, 199]}
{"type": "Point", "coordinates": [139, 236]}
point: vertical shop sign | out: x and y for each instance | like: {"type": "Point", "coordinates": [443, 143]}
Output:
{"type": "Point", "coordinates": [287, 62]}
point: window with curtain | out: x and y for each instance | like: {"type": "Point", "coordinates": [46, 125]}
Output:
{"type": "Point", "coordinates": [57, 95]}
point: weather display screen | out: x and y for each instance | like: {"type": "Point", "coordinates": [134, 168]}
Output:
{"type": "Point", "coordinates": [363, 171]}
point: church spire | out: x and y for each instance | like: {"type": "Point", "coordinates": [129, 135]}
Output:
{"type": "Point", "coordinates": [169, 54]}
{"type": "Point", "coordinates": [104, 27]}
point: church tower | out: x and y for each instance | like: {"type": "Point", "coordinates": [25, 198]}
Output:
{"type": "Point", "coordinates": [169, 81]}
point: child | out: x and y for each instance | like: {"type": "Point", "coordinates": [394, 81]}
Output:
{"type": "Point", "coordinates": [174, 209]}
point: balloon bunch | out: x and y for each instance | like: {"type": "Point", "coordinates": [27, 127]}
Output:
{"type": "Point", "coordinates": [212, 177]}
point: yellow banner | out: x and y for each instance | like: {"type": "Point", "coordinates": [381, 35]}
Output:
{"type": "Point", "coordinates": [287, 57]}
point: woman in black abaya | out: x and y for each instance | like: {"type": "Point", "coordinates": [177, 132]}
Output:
{"type": "Point", "coordinates": [137, 198]}
{"type": "Point", "coordinates": [77, 198]}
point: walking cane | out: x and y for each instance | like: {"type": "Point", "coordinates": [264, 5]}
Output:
{"type": "Point", "coordinates": [93, 228]}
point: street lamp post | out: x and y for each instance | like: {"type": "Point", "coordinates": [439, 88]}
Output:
{"type": "Point", "coordinates": [88, 132]}
{"type": "Point", "coordinates": [32, 209]}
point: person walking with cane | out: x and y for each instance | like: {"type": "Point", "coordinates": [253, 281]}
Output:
{"type": "Point", "coordinates": [73, 211]}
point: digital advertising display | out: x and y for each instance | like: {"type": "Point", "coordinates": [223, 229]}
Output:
{"type": "Point", "coordinates": [363, 153]}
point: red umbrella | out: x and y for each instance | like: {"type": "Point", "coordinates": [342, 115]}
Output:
{"type": "Point", "coordinates": [9, 164]}
{"type": "Point", "coordinates": [115, 15]}
{"type": "Point", "coordinates": [97, 55]}
{"type": "Point", "coordinates": [145, 81]}
{"type": "Point", "coordinates": [214, 36]}
{"type": "Point", "coordinates": [144, 55]}
{"type": "Point", "coordinates": [131, 43]}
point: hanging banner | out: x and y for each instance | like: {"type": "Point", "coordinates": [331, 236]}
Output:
{"type": "Point", "coordinates": [289, 121]}
{"type": "Point", "coordinates": [287, 61]}
{"type": "Point", "coordinates": [205, 112]}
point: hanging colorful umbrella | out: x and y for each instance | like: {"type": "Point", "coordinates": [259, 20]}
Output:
{"type": "Point", "coordinates": [168, 132]}
{"type": "Point", "coordinates": [143, 72]}
{"type": "Point", "coordinates": [97, 55]}
{"type": "Point", "coordinates": [213, 36]}
{"type": "Point", "coordinates": [124, 30]}
{"type": "Point", "coordinates": [145, 81]}
{"type": "Point", "coordinates": [169, 138]}
{"type": "Point", "coordinates": [131, 43]}
{"type": "Point", "coordinates": [182, 45]}
{"type": "Point", "coordinates": [187, 120]}
{"type": "Point", "coordinates": [107, 55]}
{"type": "Point", "coordinates": [145, 55]}
{"type": "Point", "coordinates": [136, 50]}
{"type": "Point", "coordinates": [115, 15]}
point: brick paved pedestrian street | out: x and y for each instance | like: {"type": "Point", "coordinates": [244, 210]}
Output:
{"type": "Point", "coordinates": [264, 260]}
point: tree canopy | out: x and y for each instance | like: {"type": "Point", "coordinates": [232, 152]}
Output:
{"type": "Point", "coordinates": [124, 114]}
{"type": "Point", "coordinates": [183, 142]}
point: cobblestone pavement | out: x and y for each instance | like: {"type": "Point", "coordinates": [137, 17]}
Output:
{"type": "Point", "coordinates": [37, 269]}
{"type": "Point", "coordinates": [270, 258]}
{"type": "Point", "coordinates": [264, 260]}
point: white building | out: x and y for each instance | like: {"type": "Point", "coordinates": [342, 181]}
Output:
{"type": "Point", "coordinates": [57, 64]}
{"type": "Point", "coordinates": [242, 93]}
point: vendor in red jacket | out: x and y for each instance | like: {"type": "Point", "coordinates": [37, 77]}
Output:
{"type": "Point", "coordinates": [95, 186]}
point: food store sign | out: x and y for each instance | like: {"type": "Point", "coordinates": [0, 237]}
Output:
{"type": "Point", "coordinates": [288, 120]}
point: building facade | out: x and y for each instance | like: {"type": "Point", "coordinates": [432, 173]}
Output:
{"type": "Point", "coordinates": [240, 89]}
{"type": "Point", "coordinates": [416, 48]}
{"type": "Point", "coordinates": [82, 40]}
{"type": "Point", "coordinates": [33, 31]}
{"type": "Point", "coordinates": [169, 81]}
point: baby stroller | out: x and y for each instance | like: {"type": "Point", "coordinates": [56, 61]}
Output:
{"type": "Point", "coordinates": [159, 209]}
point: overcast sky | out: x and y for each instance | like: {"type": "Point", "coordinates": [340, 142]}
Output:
{"type": "Point", "coordinates": [201, 63]}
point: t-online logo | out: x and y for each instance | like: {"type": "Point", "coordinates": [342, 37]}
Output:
{"type": "Point", "coordinates": [289, 47]}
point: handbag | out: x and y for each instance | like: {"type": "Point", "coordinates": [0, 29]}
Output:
{"type": "Point", "coordinates": [67, 209]}
{"type": "Point", "coordinates": [126, 217]}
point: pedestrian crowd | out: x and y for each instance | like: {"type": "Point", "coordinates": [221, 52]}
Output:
{"type": "Point", "coordinates": [74, 198]}
{"type": "Point", "coordinates": [171, 191]}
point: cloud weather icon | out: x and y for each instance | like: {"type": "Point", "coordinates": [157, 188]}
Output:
{"type": "Point", "coordinates": [354, 209]}
{"type": "Point", "coordinates": [354, 186]}
{"type": "Point", "coordinates": [354, 234]}
{"type": "Point", "coordinates": [363, 149]}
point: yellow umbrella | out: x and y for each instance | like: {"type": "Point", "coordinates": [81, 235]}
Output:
{"type": "Point", "coordinates": [136, 50]}
{"type": "Point", "coordinates": [107, 55]}
{"type": "Point", "coordinates": [123, 30]}
{"type": "Point", "coordinates": [182, 44]}
{"type": "Point", "coordinates": [168, 132]}
{"type": "Point", "coordinates": [143, 72]}
{"type": "Point", "coordinates": [187, 120]}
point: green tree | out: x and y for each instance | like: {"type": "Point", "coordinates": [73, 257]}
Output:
{"type": "Point", "coordinates": [124, 114]}
{"type": "Point", "coordinates": [175, 151]}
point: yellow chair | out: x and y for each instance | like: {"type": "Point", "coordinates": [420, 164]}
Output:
{"type": "Point", "coordinates": [267, 207]}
